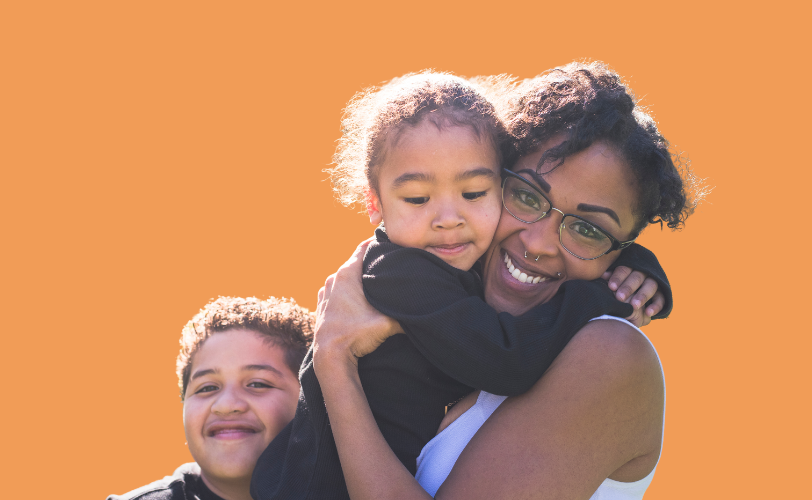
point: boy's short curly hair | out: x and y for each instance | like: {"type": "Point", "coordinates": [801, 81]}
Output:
{"type": "Point", "coordinates": [374, 117]}
{"type": "Point", "coordinates": [281, 322]}
{"type": "Point", "coordinates": [588, 102]}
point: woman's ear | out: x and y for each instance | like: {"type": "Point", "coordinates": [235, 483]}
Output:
{"type": "Point", "coordinates": [374, 208]}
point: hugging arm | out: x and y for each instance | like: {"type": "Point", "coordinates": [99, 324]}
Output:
{"type": "Point", "coordinates": [600, 404]}
{"type": "Point", "coordinates": [445, 316]}
{"type": "Point", "coordinates": [639, 259]}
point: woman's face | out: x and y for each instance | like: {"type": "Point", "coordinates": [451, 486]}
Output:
{"type": "Point", "coordinates": [594, 184]}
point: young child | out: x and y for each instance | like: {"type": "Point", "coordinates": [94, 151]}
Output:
{"type": "Point", "coordinates": [237, 371]}
{"type": "Point", "coordinates": [428, 151]}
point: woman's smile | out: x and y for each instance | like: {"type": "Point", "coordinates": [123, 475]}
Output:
{"type": "Point", "coordinates": [522, 274]}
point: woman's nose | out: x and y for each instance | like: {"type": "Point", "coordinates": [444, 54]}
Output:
{"type": "Point", "coordinates": [447, 216]}
{"type": "Point", "coordinates": [229, 400]}
{"type": "Point", "coordinates": [542, 237]}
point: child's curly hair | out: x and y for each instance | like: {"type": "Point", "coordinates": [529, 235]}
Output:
{"type": "Point", "coordinates": [588, 102]}
{"type": "Point", "coordinates": [281, 322]}
{"type": "Point", "coordinates": [375, 116]}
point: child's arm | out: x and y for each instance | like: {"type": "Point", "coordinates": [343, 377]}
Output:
{"type": "Point", "coordinates": [641, 259]}
{"type": "Point", "coordinates": [443, 313]}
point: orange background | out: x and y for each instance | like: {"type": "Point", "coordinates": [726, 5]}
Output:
{"type": "Point", "coordinates": [155, 155]}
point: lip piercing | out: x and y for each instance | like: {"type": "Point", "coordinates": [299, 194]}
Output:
{"type": "Point", "coordinates": [537, 258]}
{"type": "Point", "coordinates": [525, 254]}
{"type": "Point", "coordinates": [559, 275]}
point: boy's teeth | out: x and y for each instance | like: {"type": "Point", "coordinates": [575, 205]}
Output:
{"type": "Point", "coordinates": [523, 277]}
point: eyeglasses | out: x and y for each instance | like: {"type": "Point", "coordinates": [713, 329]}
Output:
{"type": "Point", "coordinates": [579, 237]}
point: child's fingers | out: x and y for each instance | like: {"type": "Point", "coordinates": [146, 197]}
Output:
{"type": "Point", "coordinates": [656, 305]}
{"type": "Point", "coordinates": [630, 286]}
{"type": "Point", "coordinates": [644, 293]}
{"type": "Point", "coordinates": [618, 276]}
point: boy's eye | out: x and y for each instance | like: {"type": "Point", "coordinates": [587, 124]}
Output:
{"type": "Point", "coordinates": [417, 201]}
{"type": "Point", "coordinates": [260, 385]}
{"type": "Point", "coordinates": [474, 196]}
{"type": "Point", "coordinates": [206, 388]}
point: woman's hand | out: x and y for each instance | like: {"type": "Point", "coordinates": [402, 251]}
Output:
{"type": "Point", "coordinates": [633, 287]}
{"type": "Point", "coordinates": [347, 327]}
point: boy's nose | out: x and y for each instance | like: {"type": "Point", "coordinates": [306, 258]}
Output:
{"type": "Point", "coordinates": [229, 401]}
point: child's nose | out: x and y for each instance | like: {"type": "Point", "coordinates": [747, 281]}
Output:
{"type": "Point", "coordinates": [447, 217]}
{"type": "Point", "coordinates": [229, 401]}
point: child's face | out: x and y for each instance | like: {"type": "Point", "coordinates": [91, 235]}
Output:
{"type": "Point", "coordinates": [241, 393]}
{"type": "Point", "coordinates": [438, 190]}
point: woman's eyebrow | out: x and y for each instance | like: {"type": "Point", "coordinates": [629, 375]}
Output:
{"type": "Point", "coordinates": [585, 207]}
{"type": "Point", "coordinates": [536, 177]}
{"type": "Point", "coordinates": [475, 172]}
{"type": "Point", "coordinates": [411, 177]}
{"type": "Point", "coordinates": [261, 367]}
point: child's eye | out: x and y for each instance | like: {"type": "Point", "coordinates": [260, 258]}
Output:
{"type": "Point", "coordinates": [206, 388]}
{"type": "Point", "coordinates": [417, 201]}
{"type": "Point", "coordinates": [260, 385]}
{"type": "Point", "coordinates": [474, 196]}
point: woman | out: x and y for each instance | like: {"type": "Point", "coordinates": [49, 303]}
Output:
{"type": "Point", "coordinates": [591, 169]}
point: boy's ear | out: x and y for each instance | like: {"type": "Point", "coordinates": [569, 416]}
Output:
{"type": "Point", "coordinates": [374, 208]}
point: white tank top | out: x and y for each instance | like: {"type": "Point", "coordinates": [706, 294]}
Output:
{"type": "Point", "coordinates": [440, 454]}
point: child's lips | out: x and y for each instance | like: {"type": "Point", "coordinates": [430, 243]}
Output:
{"type": "Point", "coordinates": [450, 248]}
{"type": "Point", "coordinates": [231, 430]}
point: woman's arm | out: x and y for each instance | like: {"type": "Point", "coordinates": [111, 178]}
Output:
{"type": "Point", "coordinates": [596, 413]}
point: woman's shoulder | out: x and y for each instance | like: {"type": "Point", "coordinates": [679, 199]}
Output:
{"type": "Point", "coordinates": [615, 345]}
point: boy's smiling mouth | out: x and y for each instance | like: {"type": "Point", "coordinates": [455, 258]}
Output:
{"type": "Point", "coordinates": [230, 430]}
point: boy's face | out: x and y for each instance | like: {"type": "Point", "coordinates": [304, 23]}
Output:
{"type": "Point", "coordinates": [241, 393]}
{"type": "Point", "coordinates": [438, 190]}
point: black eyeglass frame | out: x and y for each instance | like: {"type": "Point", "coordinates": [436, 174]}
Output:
{"type": "Point", "coordinates": [616, 244]}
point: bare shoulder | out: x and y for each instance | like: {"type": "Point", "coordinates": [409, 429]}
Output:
{"type": "Point", "coordinates": [614, 348]}
{"type": "Point", "coordinates": [596, 413]}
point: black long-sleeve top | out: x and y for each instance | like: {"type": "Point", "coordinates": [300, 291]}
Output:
{"type": "Point", "coordinates": [454, 343]}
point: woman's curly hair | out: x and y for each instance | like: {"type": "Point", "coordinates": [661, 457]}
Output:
{"type": "Point", "coordinates": [588, 102]}
{"type": "Point", "coordinates": [374, 117]}
{"type": "Point", "coordinates": [281, 322]}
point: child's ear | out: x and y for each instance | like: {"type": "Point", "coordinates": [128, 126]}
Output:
{"type": "Point", "coordinates": [374, 208]}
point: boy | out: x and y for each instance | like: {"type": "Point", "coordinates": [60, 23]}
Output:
{"type": "Point", "coordinates": [237, 372]}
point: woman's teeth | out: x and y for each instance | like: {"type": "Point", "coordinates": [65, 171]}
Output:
{"type": "Point", "coordinates": [523, 277]}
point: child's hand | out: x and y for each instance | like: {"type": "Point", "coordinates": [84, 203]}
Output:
{"type": "Point", "coordinates": [633, 287]}
{"type": "Point", "coordinates": [347, 327]}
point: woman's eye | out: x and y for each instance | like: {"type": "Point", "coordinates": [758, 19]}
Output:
{"type": "Point", "coordinates": [474, 196]}
{"type": "Point", "coordinates": [260, 385]}
{"type": "Point", "coordinates": [527, 198]}
{"type": "Point", "coordinates": [587, 231]}
{"type": "Point", "coordinates": [420, 200]}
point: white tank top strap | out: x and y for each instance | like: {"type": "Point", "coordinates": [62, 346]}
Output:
{"type": "Point", "coordinates": [441, 453]}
